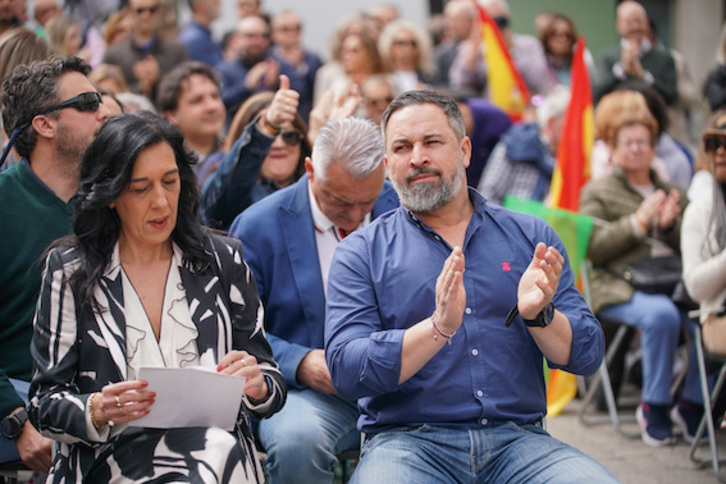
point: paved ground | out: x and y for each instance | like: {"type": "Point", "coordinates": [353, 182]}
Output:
{"type": "Point", "coordinates": [631, 460]}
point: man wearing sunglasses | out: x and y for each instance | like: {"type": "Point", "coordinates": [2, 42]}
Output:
{"type": "Point", "coordinates": [143, 55]}
{"type": "Point", "coordinates": [53, 114]}
{"type": "Point", "coordinates": [289, 239]}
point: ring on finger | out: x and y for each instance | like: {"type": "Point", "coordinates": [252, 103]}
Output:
{"type": "Point", "coordinates": [244, 363]}
{"type": "Point", "coordinates": [119, 405]}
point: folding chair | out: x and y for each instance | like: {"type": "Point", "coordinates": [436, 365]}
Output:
{"type": "Point", "coordinates": [708, 401]}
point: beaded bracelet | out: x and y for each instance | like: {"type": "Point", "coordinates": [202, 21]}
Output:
{"type": "Point", "coordinates": [438, 330]}
{"type": "Point", "coordinates": [90, 410]}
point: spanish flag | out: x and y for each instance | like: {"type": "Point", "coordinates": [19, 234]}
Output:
{"type": "Point", "coordinates": [574, 153]}
{"type": "Point", "coordinates": [572, 171]}
{"type": "Point", "coordinates": [506, 87]}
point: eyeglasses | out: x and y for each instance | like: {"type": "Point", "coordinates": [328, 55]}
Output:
{"type": "Point", "coordinates": [502, 22]}
{"type": "Point", "coordinates": [292, 137]}
{"type": "Point", "coordinates": [637, 143]}
{"type": "Point", "coordinates": [383, 100]}
{"type": "Point", "coordinates": [404, 43]}
{"type": "Point", "coordinates": [85, 101]}
{"type": "Point", "coordinates": [711, 145]}
{"type": "Point", "coordinates": [152, 10]}
{"type": "Point", "coordinates": [289, 28]}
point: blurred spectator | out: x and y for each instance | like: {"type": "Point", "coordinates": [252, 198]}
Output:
{"type": "Point", "coordinates": [380, 16]}
{"type": "Point", "coordinates": [44, 10]}
{"type": "Point", "coordinates": [7, 16]}
{"type": "Point", "coordinates": [459, 21]}
{"type": "Point", "coordinates": [111, 102]}
{"type": "Point", "coordinates": [377, 91]}
{"type": "Point", "coordinates": [108, 77]}
{"type": "Point", "coordinates": [485, 123]}
{"type": "Point", "coordinates": [287, 46]}
{"type": "Point", "coordinates": [469, 71]}
{"type": "Point", "coordinates": [715, 88]}
{"type": "Point", "coordinates": [406, 52]}
{"type": "Point", "coordinates": [132, 102]}
{"type": "Point", "coordinates": [524, 160]}
{"type": "Point", "coordinates": [196, 36]}
{"type": "Point", "coordinates": [249, 8]}
{"type": "Point", "coordinates": [189, 97]}
{"type": "Point", "coordinates": [635, 58]}
{"type": "Point", "coordinates": [558, 40]}
{"type": "Point", "coordinates": [702, 181]}
{"type": "Point", "coordinates": [541, 21]}
{"type": "Point", "coordinates": [359, 58]}
{"type": "Point", "coordinates": [144, 55]}
{"type": "Point", "coordinates": [19, 46]}
{"type": "Point", "coordinates": [92, 12]}
{"type": "Point", "coordinates": [118, 26]}
{"type": "Point", "coordinates": [679, 113]}
{"type": "Point", "coordinates": [255, 69]}
{"type": "Point", "coordinates": [64, 34]}
{"type": "Point", "coordinates": [436, 29]}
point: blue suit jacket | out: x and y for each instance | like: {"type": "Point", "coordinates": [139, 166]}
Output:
{"type": "Point", "coordinates": [278, 237]}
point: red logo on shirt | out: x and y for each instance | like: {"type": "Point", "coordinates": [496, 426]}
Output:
{"type": "Point", "coordinates": [506, 267]}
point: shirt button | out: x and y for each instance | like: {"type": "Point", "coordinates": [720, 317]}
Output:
{"type": "Point", "coordinates": [437, 237]}
{"type": "Point", "coordinates": [468, 311]}
{"type": "Point", "coordinates": [479, 393]}
{"type": "Point", "coordinates": [484, 421]}
{"type": "Point", "coordinates": [474, 352]}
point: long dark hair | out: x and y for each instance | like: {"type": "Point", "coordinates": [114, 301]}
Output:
{"type": "Point", "coordinates": [105, 173]}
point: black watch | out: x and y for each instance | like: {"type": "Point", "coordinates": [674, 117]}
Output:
{"type": "Point", "coordinates": [12, 425]}
{"type": "Point", "coordinates": [543, 319]}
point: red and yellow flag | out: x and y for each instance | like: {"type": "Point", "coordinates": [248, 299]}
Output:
{"type": "Point", "coordinates": [506, 87]}
{"type": "Point", "coordinates": [574, 153]}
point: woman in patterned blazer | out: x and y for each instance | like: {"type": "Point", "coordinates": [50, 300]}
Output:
{"type": "Point", "coordinates": [140, 283]}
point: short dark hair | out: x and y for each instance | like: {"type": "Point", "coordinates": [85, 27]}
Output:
{"type": "Point", "coordinates": [32, 89]}
{"type": "Point", "coordinates": [106, 171]}
{"type": "Point", "coordinates": [170, 86]}
{"type": "Point", "coordinates": [413, 98]}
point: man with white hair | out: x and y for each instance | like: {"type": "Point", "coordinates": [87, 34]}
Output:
{"type": "Point", "coordinates": [289, 239]}
{"type": "Point", "coordinates": [636, 58]}
{"type": "Point", "coordinates": [523, 161]}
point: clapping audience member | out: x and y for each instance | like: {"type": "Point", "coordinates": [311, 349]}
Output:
{"type": "Point", "coordinates": [144, 56]}
{"type": "Point", "coordinates": [181, 298]}
{"type": "Point", "coordinates": [635, 58]}
{"type": "Point", "coordinates": [643, 215]}
{"type": "Point", "coordinates": [254, 70]}
{"type": "Point", "coordinates": [289, 239]}
{"type": "Point", "coordinates": [407, 54]}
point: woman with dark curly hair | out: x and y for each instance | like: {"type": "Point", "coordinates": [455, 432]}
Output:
{"type": "Point", "coordinates": [140, 283]}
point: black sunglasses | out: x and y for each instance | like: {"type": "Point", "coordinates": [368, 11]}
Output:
{"type": "Point", "coordinates": [292, 137]}
{"type": "Point", "coordinates": [85, 101]}
{"type": "Point", "coordinates": [714, 143]}
{"type": "Point", "coordinates": [502, 22]}
{"type": "Point", "coordinates": [152, 10]}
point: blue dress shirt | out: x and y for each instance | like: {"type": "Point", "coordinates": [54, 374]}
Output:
{"type": "Point", "coordinates": [382, 281]}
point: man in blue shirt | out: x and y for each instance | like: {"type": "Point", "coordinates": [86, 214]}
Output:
{"type": "Point", "coordinates": [289, 238]}
{"type": "Point", "coordinates": [446, 364]}
{"type": "Point", "coordinates": [196, 36]}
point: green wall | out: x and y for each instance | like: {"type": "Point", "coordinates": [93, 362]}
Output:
{"type": "Point", "coordinates": [593, 18]}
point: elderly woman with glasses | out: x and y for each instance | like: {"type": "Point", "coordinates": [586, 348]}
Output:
{"type": "Point", "coordinates": [642, 216]}
{"type": "Point", "coordinates": [266, 148]}
{"type": "Point", "coordinates": [141, 284]}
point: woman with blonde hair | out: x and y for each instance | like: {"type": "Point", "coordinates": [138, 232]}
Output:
{"type": "Point", "coordinates": [407, 53]}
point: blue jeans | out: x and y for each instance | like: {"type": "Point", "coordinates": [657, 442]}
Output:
{"type": "Point", "coordinates": [8, 449]}
{"type": "Point", "coordinates": [505, 453]}
{"type": "Point", "coordinates": [303, 439]}
{"type": "Point", "coordinates": [660, 324]}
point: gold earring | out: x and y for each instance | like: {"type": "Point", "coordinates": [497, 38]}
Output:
{"type": "Point", "coordinates": [111, 205]}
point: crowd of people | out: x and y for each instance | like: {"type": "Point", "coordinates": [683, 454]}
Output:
{"type": "Point", "coordinates": [332, 232]}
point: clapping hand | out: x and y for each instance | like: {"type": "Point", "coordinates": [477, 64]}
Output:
{"type": "Point", "coordinates": [539, 282]}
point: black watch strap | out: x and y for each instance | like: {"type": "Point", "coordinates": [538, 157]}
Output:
{"type": "Point", "coordinates": [543, 319]}
{"type": "Point", "coordinates": [12, 425]}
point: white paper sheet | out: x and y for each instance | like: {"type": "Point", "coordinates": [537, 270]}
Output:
{"type": "Point", "coordinates": [191, 397]}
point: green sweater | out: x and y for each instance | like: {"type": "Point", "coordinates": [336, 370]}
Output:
{"type": "Point", "coordinates": [31, 217]}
